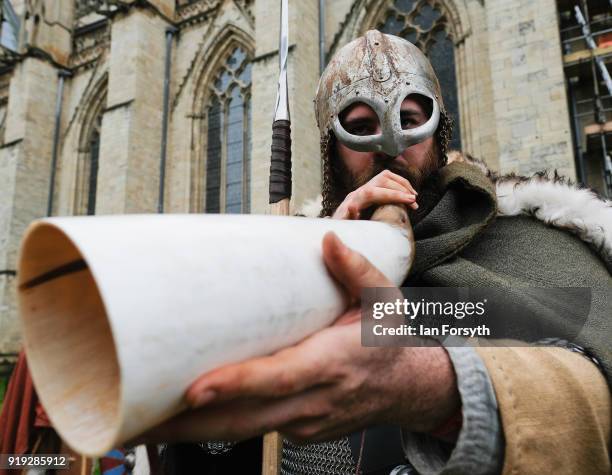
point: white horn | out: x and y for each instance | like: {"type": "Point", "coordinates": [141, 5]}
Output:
{"type": "Point", "coordinates": [121, 314]}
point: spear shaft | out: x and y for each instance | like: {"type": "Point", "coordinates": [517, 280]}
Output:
{"type": "Point", "coordinates": [280, 191]}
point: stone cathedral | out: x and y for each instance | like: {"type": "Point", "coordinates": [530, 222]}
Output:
{"type": "Point", "coordinates": [147, 106]}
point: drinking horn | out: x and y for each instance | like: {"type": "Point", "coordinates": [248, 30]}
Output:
{"type": "Point", "coordinates": [120, 314]}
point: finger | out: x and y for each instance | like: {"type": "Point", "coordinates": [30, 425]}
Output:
{"type": "Point", "coordinates": [222, 422]}
{"type": "Point", "coordinates": [287, 372]}
{"type": "Point", "coordinates": [351, 316]}
{"type": "Point", "coordinates": [401, 180]}
{"type": "Point", "coordinates": [340, 213]}
{"type": "Point", "coordinates": [314, 430]}
{"type": "Point", "coordinates": [387, 198]}
{"type": "Point", "coordinates": [385, 180]}
{"type": "Point", "coordinates": [347, 210]}
{"type": "Point", "coordinates": [353, 271]}
{"type": "Point", "coordinates": [242, 419]}
{"type": "Point", "coordinates": [379, 196]}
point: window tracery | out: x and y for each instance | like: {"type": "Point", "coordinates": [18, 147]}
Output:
{"type": "Point", "coordinates": [88, 160]}
{"type": "Point", "coordinates": [228, 141]}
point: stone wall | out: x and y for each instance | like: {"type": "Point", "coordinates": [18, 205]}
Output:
{"type": "Point", "coordinates": [531, 114]}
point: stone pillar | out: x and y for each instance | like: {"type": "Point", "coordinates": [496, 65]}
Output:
{"type": "Point", "coordinates": [26, 151]}
{"type": "Point", "coordinates": [128, 175]}
{"type": "Point", "coordinates": [25, 166]}
{"type": "Point", "coordinates": [531, 114]}
{"type": "Point", "coordinates": [303, 78]}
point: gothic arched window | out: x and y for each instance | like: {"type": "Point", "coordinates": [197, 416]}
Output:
{"type": "Point", "coordinates": [424, 23]}
{"type": "Point", "coordinates": [89, 153]}
{"type": "Point", "coordinates": [228, 146]}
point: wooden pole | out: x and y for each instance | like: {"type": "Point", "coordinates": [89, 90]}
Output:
{"type": "Point", "coordinates": [281, 208]}
{"type": "Point", "coordinates": [272, 450]}
{"type": "Point", "coordinates": [280, 191]}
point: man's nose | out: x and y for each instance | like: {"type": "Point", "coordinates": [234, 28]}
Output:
{"type": "Point", "coordinates": [384, 158]}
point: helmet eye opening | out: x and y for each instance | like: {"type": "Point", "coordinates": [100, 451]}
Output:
{"type": "Point", "coordinates": [415, 110]}
{"type": "Point", "coordinates": [360, 119]}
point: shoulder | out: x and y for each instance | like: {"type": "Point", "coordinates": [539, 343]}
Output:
{"type": "Point", "coordinates": [524, 248]}
{"type": "Point", "coordinates": [555, 202]}
{"type": "Point", "coordinates": [559, 204]}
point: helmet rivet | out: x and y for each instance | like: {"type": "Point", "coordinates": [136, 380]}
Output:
{"type": "Point", "coordinates": [376, 43]}
{"type": "Point", "coordinates": [407, 83]}
{"type": "Point", "coordinates": [357, 93]}
{"type": "Point", "coordinates": [387, 101]}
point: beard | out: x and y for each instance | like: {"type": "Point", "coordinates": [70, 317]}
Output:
{"type": "Point", "coordinates": [415, 175]}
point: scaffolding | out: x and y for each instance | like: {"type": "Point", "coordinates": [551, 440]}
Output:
{"type": "Point", "coordinates": [586, 38]}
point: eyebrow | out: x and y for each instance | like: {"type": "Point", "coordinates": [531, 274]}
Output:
{"type": "Point", "coordinates": [410, 112]}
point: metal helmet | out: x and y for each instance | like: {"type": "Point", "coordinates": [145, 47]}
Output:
{"type": "Point", "coordinates": [379, 70]}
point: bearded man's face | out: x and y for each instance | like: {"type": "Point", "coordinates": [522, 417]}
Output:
{"type": "Point", "coordinates": [415, 163]}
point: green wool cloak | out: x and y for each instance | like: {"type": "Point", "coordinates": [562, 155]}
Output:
{"type": "Point", "coordinates": [461, 242]}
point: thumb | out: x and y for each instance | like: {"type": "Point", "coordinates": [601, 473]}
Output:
{"type": "Point", "coordinates": [353, 271]}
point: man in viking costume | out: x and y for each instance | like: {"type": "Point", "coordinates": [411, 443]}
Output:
{"type": "Point", "coordinates": [344, 408]}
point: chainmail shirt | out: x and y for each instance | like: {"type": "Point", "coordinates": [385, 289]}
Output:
{"type": "Point", "coordinates": [325, 458]}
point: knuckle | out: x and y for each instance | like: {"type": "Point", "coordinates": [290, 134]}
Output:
{"type": "Point", "coordinates": [353, 385]}
{"type": "Point", "coordinates": [367, 193]}
{"type": "Point", "coordinates": [353, 208]}
{"type": "Point", "coordinates": [314, 410]}
{"type": "Point", "coordinates": [235, 381]}
{"type": "Point", "coordinates": [285, 383]}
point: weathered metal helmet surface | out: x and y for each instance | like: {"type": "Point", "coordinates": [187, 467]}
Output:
{"type": "Point", "coordinates": [379, 70]}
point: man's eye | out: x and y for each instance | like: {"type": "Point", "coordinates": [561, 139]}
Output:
{"type": "Point", "coordinates": [409, 123]}
{"type": "Point", "coordinates": [362, 129]}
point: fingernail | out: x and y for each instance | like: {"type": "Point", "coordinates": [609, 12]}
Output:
{"type": "Point", "coordinates": [203, 398]}
{"type": "Point", "coordinates": [416, 206]}
{"type": "Point", "coordinates": [338, 244]}
{"type": "Point", "coordinates": [410, 197]}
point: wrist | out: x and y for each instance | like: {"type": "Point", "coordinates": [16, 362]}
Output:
{"type": "Point", "coordinates": [432, 397]}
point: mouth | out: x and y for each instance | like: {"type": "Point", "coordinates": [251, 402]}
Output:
{"type": "Point", "coordinates": [401, 161]}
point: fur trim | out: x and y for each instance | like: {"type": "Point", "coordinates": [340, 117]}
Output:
{"type": "Point", "coordinates": [312, 208]}
{"type": "Point", "coordinates": [554, 201]}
